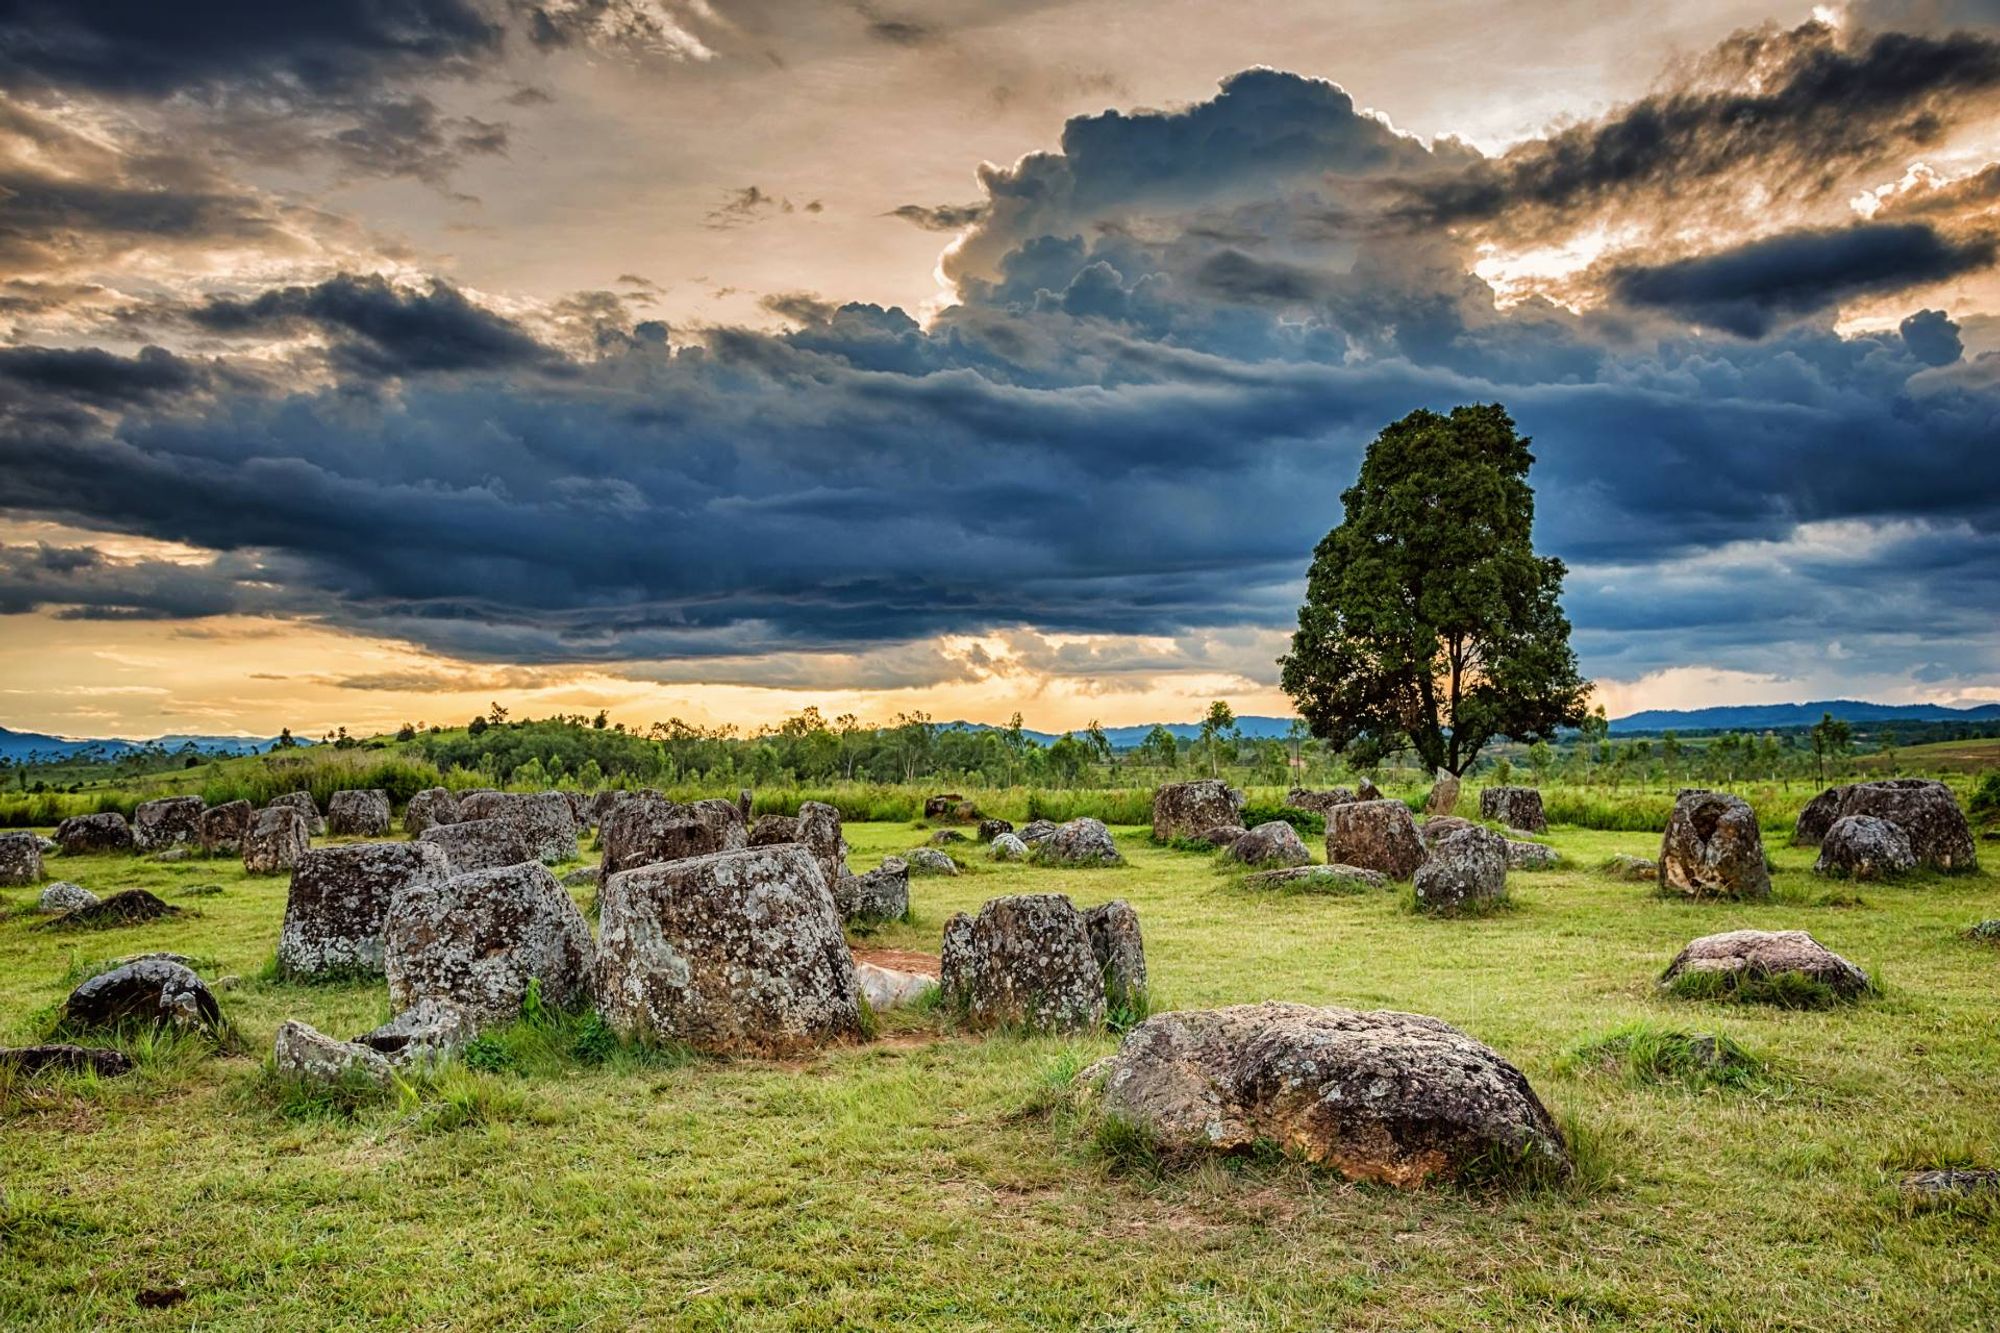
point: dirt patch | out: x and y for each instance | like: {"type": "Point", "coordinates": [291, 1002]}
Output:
{"type": "Point", "coordinates": [902, 960]}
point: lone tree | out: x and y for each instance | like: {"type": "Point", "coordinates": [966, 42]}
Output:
{"type": "Point", "coordinates": [1831, 738]}
{"type": "Point", "coordinates": [1430, 623]}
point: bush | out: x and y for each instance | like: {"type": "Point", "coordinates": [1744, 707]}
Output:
{"type": "Point", "coordinates": [1310, 824]}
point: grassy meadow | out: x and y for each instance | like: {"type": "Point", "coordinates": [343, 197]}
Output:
{"type": "Point", "coordinates": [934, 1179]}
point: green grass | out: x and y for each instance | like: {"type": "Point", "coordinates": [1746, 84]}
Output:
{"type": "Point", "coordinates": [935, 1179]}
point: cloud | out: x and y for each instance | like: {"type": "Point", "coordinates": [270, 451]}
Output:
{"type": "Point", "coordinates": [751, 203]}
{"type": "Point", "coordinates": [381, 329]}
{"type": "Point", "coordinates": [939, 217]}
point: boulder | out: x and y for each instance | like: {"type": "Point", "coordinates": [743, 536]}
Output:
{"type": "Point", "coordinates": [1466, 870]}
{"type": "Point", "coordinates": [883, 894]}
{"type": "Point", "coordinates": [302, 802]}
{"type": "Point", "coordinates": [1952, 1182]}
{"type": "Point", "coordinates": [358, 814]}
{"type": "Point", "coordinates": [428, 808]}
{"type": "Point", "coordinates": [1008, 847]}
{"type": "Point", "coordinates": [945, 837]}
{"type": "Point", "coordinates": [1444, 796]}
{"type": "Point", "coordinates": [770, 830]}
{"type": "Point", "coordinates": [173, 855]}
{"type": "Point", "coordinates": [1744, 955]}
{"type": "Point", "coordinates": [426, 1032]}
{"type": "Point", "coordinates": [62, 896]}
{"type": "Point", "coordinates": [929, 861]}
{"type": "Point", "coordinates": [1275, 843]}
{"type": "Point", "coordinates": [989, 829]}
{"type": "Point", "coordinates": [158, 991]}
{"type": "Point", "coordinates": [172, 821]}
{"type": "Point", "coordinates": [1080, 842]}
{"type": "Point", "coordinates": [1037, 831]}
{"type": "Point", "coordinates": [28, 1061]}
{"type": "Point", "coordinates": [20, 859]}
{"type": "Point", "coordinates": [889, 988]}
{"type": "Point", "coordinates": [543, 819]}
{"type": "Point", "coordinates": [1024, 962]}
{"type": "Point", "coordinates": [304, 1052]}
{"type": "Point", "coordinates": [580, 877]}
{"type": "Point", "coordinates": [278, 837]}
{"type": "Point", "coordinates": [1375, 835]}
{"type": "Point", "coordinates": [745, 801]}
{"type": "Point", "coordinates": [1435, 830]}
{"type": "Point", "coordinates": [1120, 951]}
{"type": "Point", "coordinates": [645, 828]}
{"type": "Point", "coordinates": [1318, 879]}
{"type": "Point", "coordinates": [1638, 869]}
{"type": "Point", "coordinates": [479, 844]}
{"type": "Point", "coordinates": [943, 807]}
{"type": "Point", "coordinates": [85, 835]}
{"type": "Point", "coordinates": [1928, 814]}
{"type": "Point", "coordinates": [1220, 837]}
{"type": "Point", "coordinates": [1531, 855]}
{"type": "Point", "coordinates": [1864, 847]}
{"type": "Point", "coordinates": [1183, 809]}
{"type": "Point", "coordinates": [482, 803]}
{"type": "Point", "coordinates": [338, 906]}
{"type": "Point", "coordinates": [819, 834]}
{"type": "Point", "coordinates": [735, 953]}
{"type": "Point", "coordinates": [1712, 848]}
{"type": "Point", "coordinates": [1817, 817]}
{"type": "Point", "coordinates": [224, 827]}
{"type": "Point", "coordinates": [1400, 1099]}
{"type": "Point", "coordinates": [474, 941]}
{"type": "Point", "coordinates": [125, 908]}
{"type": "Point", "coordinates": [48, 845]}
{"type": "Point", "coordinates": [1319, 802]}
{"type": "Point", "coordinates": [1366, 790]}
{"type": "Point", "coordinates": [1516, 807]}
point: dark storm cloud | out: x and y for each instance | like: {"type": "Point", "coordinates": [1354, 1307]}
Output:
{"type": "Point", "coordinates": [98, 378]}
{"type": "Point", "coordinates": [939, 217]}
{"type": "Point", "coordinates": [381, 329]}
{"type": "Point", "coordinates": [1750, 288]}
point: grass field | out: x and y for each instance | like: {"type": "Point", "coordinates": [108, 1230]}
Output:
{"type": "Point", "coordinates": [925, 1181]}
{"type": "Point", "coordinates": [1939, 757]}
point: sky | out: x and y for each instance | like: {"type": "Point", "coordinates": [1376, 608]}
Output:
{"type": "Point", "coordinates": [365, 361]}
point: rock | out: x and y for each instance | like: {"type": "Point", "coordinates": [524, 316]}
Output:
{"type": "Point", "coordinates": [223, 828]}
{"type": "Point", "coordinates": [1024, 962]}
{"type": "Point", "coordinates": [1183, 809]}
{"type": "Point", "coordinates": [1928, 815]}
{"type": "Point", "coordinates": [1080, 842]}
{"type": "Point", "coordinates": [428, 808]}
{"type": "Point", "coordinates": [85, 835]}
{"type": "Point", "coordinates": [770, 830]}
{"type": "Point", "coordinates": [1864, 847]}
{"type": "Point", "coordinates": [1465, 870]}
{"type": "Point", "coordinates": [1366, 790]}
{"type": "Point", "coordinates": [62, 1057]}
{"type": "Point", "coordinates": [1744, 955]}
{"type": "Point", "coordinates": [942, 807]}
{"type": "Point", "coordinates": [1712, 848]}
{"type": "Point", "coordinates": [302, 801]}
{"type": "Point", "coordinates": [735, 953]}
{"type": "Point", "coordinates": [1220, 837]}
{"type": "Point", "coordinates": [1037, 831]}
{"type": "Point", "coordinates": [601, 804]}
{"type": "Point", "coordinates": [304, 1052]}
{"type": "Point", "coordinates": [1946, 1182]}
{"type": "Point", "coordinates": [121, 909]}
{"type": "Point", "coordinates": [989, 829]}
{"type": "Point", "coordinates": [544, 821]}
{"type": "Point", "coordinates": [646, 828]}
{"type": "Point", "coordinates": [358, 814]}
{"type": "Point", "coordinates": [1319, 802]}
{"type": "Point", "coordinates": [888, 988]}
{"type": "Point", "coordinates": [1400, 1099]}
{"type": "Point", "coordinates": [427, 1032]}
{"type": "Point", "coordinates": [1444, 796]}
{"type": "Point", "coordinates": [1318, 879]}
{"type": "Point", "coordinates": [172, 856]}
{"type": "Point", "coordinates": [483, 803]}
{"type": "Point", "coordinates": [1435, 830]}
{"type": "Point", "coordinates": [20, 860]}
{"type": "Point", "coordinates": [1008, 847]}
{"type": "Point", "coordinates": [1817, 817]}
{"type": "Point", "coordinates": [1275, 843]}
{"type": "Point", "coordinates": [1516, 807]}
{"type": "Point", "coordinates": [1375, 835]}
{"type": "Point", "coordinates": [171, 821]}
{"type": "Point", "coordinates": [474, 941]}
{"type": "Point", "coordinates": [479, 844]}
{"type": "Point", "coordinates": [930, 861]}
{"type": "Point", "coordinates": [819, 834]}
{"type": "Point", "coordinates": [1120, 951]}
{"type": "Point", "coordinates": [149, 990]}
{"type": "Point", "coordinates": [1638, 869]}
{"type": "Point", "coordinates": [883, 894]}
{"type": "Point", "coordinates": [1530, 855]}
{"type": "Point", "coordinates": [278, 837]}
{"type": "Point", "coordinates": [578, 878]}
{"type": "Point", "coordinates": [338, 906]}
{"type": "Point", "coordinates": [744, 802]}
{"type": "Point", "coordinates": [49, 846]}
{"type": "Point", "coordinates": [62, 896]}
{"type": "Point", "coordinates": [945, 837]}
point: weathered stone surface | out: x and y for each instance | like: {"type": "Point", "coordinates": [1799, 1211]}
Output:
{"type": "Point", "coordinates": [1444, 796]}
{"type": "Point", "coordinates": [1944, 1182]}
{"type": "Point", "coordinates": [1712, 848]}
{"type": "Point", "coordinates": [474, 941]}
{"type": "Point", "coordinates": [1320, 879]}
{"type": "Point", "coordinates": [1366, 790]}
{"type": "Point", "coordinates": [223, 828]}
{"type": "Point", "coordinates": [929, 861]}
{"type": "Point", "coordinates": [942, 807]}
{"type": "Point", "coordinates": [1516, 807]}
{"type": "Point", "coordinates": [1120, 950]}
{"type": "Point", "coordinates": [278, 837]}
{"type": "Point", "coordinates": [302, 801]}
{"type": "Point", "coordinates": [1319, 802]}
{"type": "Point", "coordinates": [173, 855]}
{"type": "Point", "coordinates": [171, 821]}
{"type": "Point", "coordinates": [745, 802]}
{"type": "Point", "coordinates": [645, 828]}
{"type": "Point", "coordinates": [304, 1052]}
{"type": "Point", "coordinates": [1183, 809]}
{"type": "Point", "coordinates": [1080, 842]}
{"type": "Point", "coordinates": [85, 835]}
{"type": "Point", "coordinates": [1926, 812]}
{"type": "Point", "coordinates": [1275, 843]}
{"type": "Point", "coordinates": [1760, 954]}
{"type": "Point", "coordinates": [1037, 831]}
{"type": "Point", "coordinates": [428, 808]}
{"type": "Point", "coordinates": [20, 859]}
{"type": "Point", "coordinates": [146, 990]}
{"type": "Point", "coordinates": [989, 829]}
{"type": "Point", "coordinates": [1465, 869]}
{"type": "Point", "coordinates": [1438, 828]}
{"type": "Point", "coordinates": [125, 908]}
{"type": "Point", "coordinates": [1638, 869]}
{"type": "Point", "coordinates": [1817, 817]}
{"type": "Point", "coordinates": [338, 906]}
{"type": "Point", "coordinates": [819, 834]}
{"type": "Point", "coordinates": [427, 1032]}
{"type": "Point", "coordinates": [482, 803]}
{"type": "Point", "coordinates": [891, 988]}
{"type": "Point", "coordinates": [736, 953]}
{"type": "Point", "coordinates": [883, 894]}
{"type": "Point", "coordinates": [62, 896]}
{"type": "Point", "coordinates": [1375, 835]}
{"type": "Point", "coordinates": [543, 819]}
{"type": "Point", "coordinates": [770, 830]}
{"type": "Point", "coordinates": [49, 845]}
{"type": "Point", "coordinates": [1024, 962]}
{"type": "Point", "coordinates": [945, 837]}
{"type": "Point", "coordinates": [1864, 847]}
{"type": "Point", "coordinates": [479, 844]}
{"type": "Point", "coordinates": [1221, 837]}
{"type": "Point", "coordinates": [579, 877]}
{"type": "Point", "coordinates": [1396, 1098]}
{"type": "Point", "coordinates": [63, 1057]}
{"type": "Point", "coordinates": [358, 814]}
{"type": "Point", "coordinates": [1008, 847]}
{"type": "Point", "coordinates": [1531, 855]}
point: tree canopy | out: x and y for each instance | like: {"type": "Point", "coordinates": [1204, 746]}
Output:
{"type": "Point", "coordinates": [1430, 623]}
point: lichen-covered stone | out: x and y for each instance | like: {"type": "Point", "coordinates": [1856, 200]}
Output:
{"type": "Point", "coordinates": [1638, 869]}
{"type": "Point", "coordinates": [819, 834]}
{"type": "Point", "coordinates": [223, 828]}
{"type": "Point", "coordinates": [86, 835]}
{"type": "Point", "coordinates": [1037, 831]}
{"type": "Point", "coordinates": [1024, 961]}
{"type": "Point", "coordinates": [426, 1032]}
{"type": "Point", "coordinates": [474, 941]}
{"type": "Point", "coordinates": [1375, 835]}
{"type": "Point", "coordinates": [1183, 809]}
{"type": "Point", "coordinates": [1444, 796]}
{"type": "Point", "coordinates": [928, 861]}
{"type": "Point", "coordinates": [1762, 954]}
{"type": "Point", "coordinates": [891, 988]}
{"type": "Point", "coordinates": [1008, 847]}
{"type": "Point", "coordinates": [1437, 829]}
{"type": "Point", "coordinates": [146, 990]}
{"type": "Point", "coordinates": [338, 907]}
{"type": "Point", "coordinates": [989, 829]}
{"type": "Point", "coordinates": [943, 806]}
{"type": "Point", "coordinates": [737, 953]}
{"type": "Point", "coordinates": [302, 801]}
{"type": "Point", "coordinates": [1531, 855]}
{"type": "Point", "coordinates": [544, 820]}
{"type": "Point", "coordinates": [1466, 869]}
{"type": "Point", "coordinates": [1395, 1098]}
{"type": "Point", "coordinates": [480, 844]}
{"type": "Point", "coordinates": [20, 859]}
{"type": "Point", "coordinates": [1221, 837]}
{"type": "Point", "coordinates": [1864, 847]}
{"type": "Point", "coordinates": [1318, 879]}
{"type": "Point", "coordinates": [1713, 849]}
{"type": "Point", "coordinates": [63, 896]}
{"type": "Point", "coordinates": [28, 1061]}
{"type": "Point", "coordinates": [1817, 817]}
{"type": "Point", "coordinates": [770, 830]}
{"type": "Point", "coordinates": [171, 821]}
{"type": "Point", "coordinates": [428, 808]}
{"type": "Point", "coordinates": [1120, 950]}
{"type": "Point", "coordinates": [1516, 807]}
{"type": "Point", "coordinates": [645, 828]}
{"type": "Point", "coordinates": [1275, 843]}
{"type": "Point", "coordinates": [278, 837]}
{"type": "Point", "coordinates": [883, 894]}
{"type": "Point", "coordinates": [1080, 842]}
{"type": "Point", "coordinates": [945, 837]}
{"type": "Point", "coordinates": [1319, 802]}
{"type": "Point", "coordinates": [1927, 813]}
{"type": "Point", "coordinates": [302, 1051]}
{"type": "Point", "coordinates": [358, 814]}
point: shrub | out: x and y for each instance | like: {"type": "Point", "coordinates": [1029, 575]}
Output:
{"type": "Point", "coordinates": [1310, 824]}
{"type": "Point", "coordinates": [1647, 1053]}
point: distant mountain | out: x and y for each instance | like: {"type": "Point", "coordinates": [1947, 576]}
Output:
{"type": "Point", "coordinates": [22, 744]}
{"type": "Point", "coordinates": [1778, 717]}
